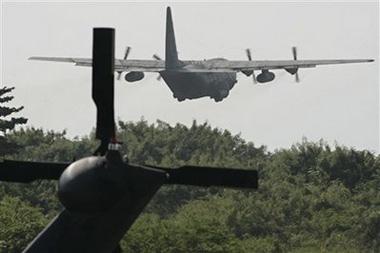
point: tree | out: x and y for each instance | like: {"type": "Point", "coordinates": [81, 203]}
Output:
{"type": "Point", "coordinates": [8, 124]}
{"type": "Point", "coordinates": [311, 197]}
{"type": "Point", "coordinates": [19, 224]}
{"type": "Point", "coordinates": [6, 111]}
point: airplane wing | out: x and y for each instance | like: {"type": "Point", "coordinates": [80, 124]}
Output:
{"type": "Point", "coordinates": [120, 65]}
{"type": "Point", "coordinates": [206, 66]}
{"type": "Point", "coordinates": [236, 66]}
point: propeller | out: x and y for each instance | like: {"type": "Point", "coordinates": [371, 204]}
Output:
{"type": "Point", "coordinates": [294, 51]}
{"type": "Point", "coordinates": [127, 50]}
{"type": "Point", "coordinates": [249, 55]}
{"type": "Point", "coordinates": [158, 58]}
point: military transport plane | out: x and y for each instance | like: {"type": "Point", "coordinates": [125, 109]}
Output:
{"type": "Point", "coordinates": [195, 79]}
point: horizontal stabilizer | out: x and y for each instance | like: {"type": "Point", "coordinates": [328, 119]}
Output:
{"type": "Point", "coordinates": [209, 176]}
{"type": "Point", "coordinates": [24, 172]}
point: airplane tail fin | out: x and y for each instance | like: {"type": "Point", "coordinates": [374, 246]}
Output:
{"type": "Point", "coordinates": [171, 55]}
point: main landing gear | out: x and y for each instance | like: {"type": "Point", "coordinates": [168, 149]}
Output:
{"type": "Point", "coordinates": [179, 97]}
{"type": "Point", "coordinates": [220, 95]}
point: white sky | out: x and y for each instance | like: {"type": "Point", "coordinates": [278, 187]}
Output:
{"type": "Point", "coordinates": [337, 103]}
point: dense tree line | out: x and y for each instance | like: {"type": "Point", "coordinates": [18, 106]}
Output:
{"type": "Point", "coordinates": [311, 198]}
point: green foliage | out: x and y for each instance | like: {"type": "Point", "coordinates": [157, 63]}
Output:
{"type": "Point", "coordinates": [311, 197]}
{"type": "Point", "coordinates": [8, 124]}
{"type": "Point", "coordinates": [19, 224]}
{"type": "Point", "coordinates": [6, 146]}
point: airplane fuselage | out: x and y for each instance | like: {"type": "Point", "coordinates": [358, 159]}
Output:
{"type": "Point", "coordinates": [190, 85]}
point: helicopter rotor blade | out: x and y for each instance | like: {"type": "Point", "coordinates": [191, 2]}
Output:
{"type": "Point", "coordinates": [210, 176]}
{"type": "Point", "coordinates": [103, 55]}
{"type": "Point", "coordinates": [25, 172]}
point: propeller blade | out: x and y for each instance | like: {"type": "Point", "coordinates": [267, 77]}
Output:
{"type": "Point", "coordinates": [249, 56]}
{"type": "Point", "coordinates": [103, 55]}
{"type": "Point", "coordinates": [118, 75]}
{"type": "Point", "coordinates": [127, 50]}
{"type": "Point", "coordinates": [156, 57]}
{"type": "Point", "coordinates": [297, 78]}
{"type": "Point", "coordinates": [294, 51]}
{"type": "Point", "coordinates": [254, 77]}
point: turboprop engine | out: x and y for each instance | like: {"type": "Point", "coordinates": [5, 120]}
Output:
{"type": "Point", "coordinates": [265, 76]}
{"type": "Point", "coordinates": [134, 76]}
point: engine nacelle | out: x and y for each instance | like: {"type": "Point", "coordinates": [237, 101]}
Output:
{"type": "Point", "coordinates": [292, 71]}
{"type": "Point", "coordinates": [265, 76]}
{"type": "Point", "coordinates": [134, 76]}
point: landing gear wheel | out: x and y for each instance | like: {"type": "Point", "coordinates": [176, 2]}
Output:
{"type": "Point", "coordinates": [180, 98]}
{"type": "Point", "coordinates": [218, 99]}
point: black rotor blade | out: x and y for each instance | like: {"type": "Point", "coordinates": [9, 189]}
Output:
{"type": "Point", "coordinates": [25, 172]}
{"type": "Point", "coordinates": [211, 176]}
{"type": "Point", "coordinates": [103, 82]}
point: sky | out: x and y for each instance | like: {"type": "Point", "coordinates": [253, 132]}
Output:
{"type": "Point", "coordinates": [339, 104]}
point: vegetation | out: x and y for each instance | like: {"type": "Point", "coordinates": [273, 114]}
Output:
{"type": "Point", "coordinates": [311, 197]}
{"type": "Point", "coordinates": [7, 124]}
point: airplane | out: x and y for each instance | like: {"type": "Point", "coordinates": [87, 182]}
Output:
{"type": "Point", "coordinates": [103, 194]}
{"type": "Point", "coordinates": [214, 78]}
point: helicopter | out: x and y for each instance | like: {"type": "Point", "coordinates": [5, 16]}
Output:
{"type": "Point", "coordinates": [103, 194]}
